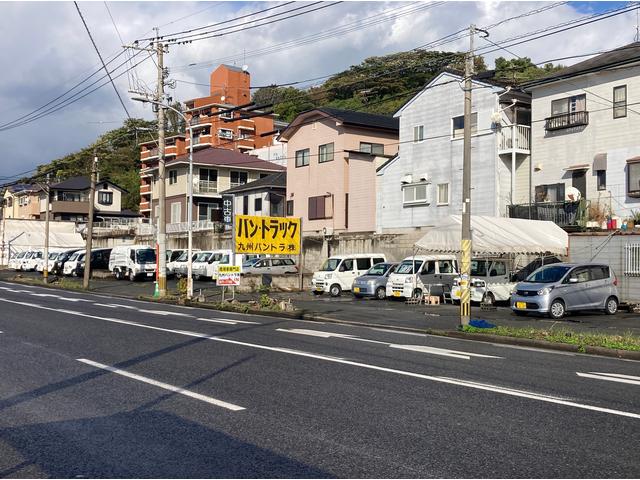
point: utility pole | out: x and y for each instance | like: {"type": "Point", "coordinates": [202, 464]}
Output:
{"type": "Point", "coordinates": [45, 269]}
{"type": "Point", "coordinates": [161, 274]}
{"type": "Point", "coordinates": [92, 195]}
{"type": "Point", "coordinates": [465, 247]}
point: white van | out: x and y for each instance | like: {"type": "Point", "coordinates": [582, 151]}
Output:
{"type": "Point", "coordinates": [30, 261]}
{"type": "Point", "coordinates": [490, 281]}
{"type": "Point", "coordinates": [16, 261]}
{"type": "Point", "coordinates": [339, 271]}
{"type": "Point", "coordinates": [53, 254]}
{"type": "Point", "coordinates": [71, 265]}
{"type": "Point", "coordinates": [421, 274]}
{"type": "Point", "coordinates": [133, 262]}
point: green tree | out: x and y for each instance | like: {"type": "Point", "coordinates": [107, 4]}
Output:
{"type": "Point", "coordinates": [519, 70]}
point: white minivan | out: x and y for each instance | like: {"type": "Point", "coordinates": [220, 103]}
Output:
{"type": "Point", "coordinates": [339, 271]}
{"type": "Point", "coordinates": [421, 274]}
{"type": "Point", "coordinates": [133, 262]}
{"type": "Point", "coordinates": [490, 281]}
{"type": "Point", "coordinates": [30, 261]}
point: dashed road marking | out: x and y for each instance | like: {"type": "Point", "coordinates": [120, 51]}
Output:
{"type": "Point", "coordinates": [611, 377]}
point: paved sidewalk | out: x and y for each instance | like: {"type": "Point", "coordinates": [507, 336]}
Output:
{"type": "Point", "coordinates": [390, 313]}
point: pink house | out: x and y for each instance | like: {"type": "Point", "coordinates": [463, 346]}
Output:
{"type": "Point", "coordinates": [331, 168]}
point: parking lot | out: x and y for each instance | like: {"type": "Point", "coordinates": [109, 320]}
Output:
{"type": "Point", "coordinates": [388, 312]}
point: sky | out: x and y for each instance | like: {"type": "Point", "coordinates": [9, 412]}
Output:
{"type": "Point", "coordinates": [46, 51]}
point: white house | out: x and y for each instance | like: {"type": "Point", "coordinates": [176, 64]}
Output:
{"type": "Point", "coordinates": [422, 185]}
{"type": "Point", "coordinates": [586, 132]}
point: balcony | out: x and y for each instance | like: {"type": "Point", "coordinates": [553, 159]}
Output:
{"type": "Point", "coordinates": [202, 141]}
{"type": "Point", "coordinates": [566, 120]}
{"type": "Point", "coordinates": [205, 187]}
{"type": "Point", "coordinates": [567, 215]}
{"type": "Point", "coordinates": [63, 206]}
{"type": "Point", "coordinates": [514, 137]}
{"type": "Point", "coordinates": [196, 226]}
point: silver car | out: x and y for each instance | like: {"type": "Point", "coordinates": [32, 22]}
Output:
{"type": "Point", "coordinates": [374, 282]}
{"type": "Point", "coordinates": [562, 287]}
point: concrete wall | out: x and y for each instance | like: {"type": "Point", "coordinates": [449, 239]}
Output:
{"type": "Point", "coordinates": [600, 247]}
{"type": "Point", "coordinates": [553, 151]}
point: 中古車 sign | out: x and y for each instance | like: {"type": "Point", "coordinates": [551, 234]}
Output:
{"type": "Point", "coordinates": [269, 235]}
{"type": "Point", "coordinates": [229, 275]}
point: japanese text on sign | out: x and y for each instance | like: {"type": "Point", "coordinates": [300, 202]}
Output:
{"type": "Point", "coordinates": [272, 235]}
{"type": "Point", "coordinates": [228, 275]}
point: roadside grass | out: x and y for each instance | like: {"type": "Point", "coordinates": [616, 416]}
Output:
{"type": "Point", "coordinates": [626, 341]}
{"type": "Point", "coordinates": [60, 282]}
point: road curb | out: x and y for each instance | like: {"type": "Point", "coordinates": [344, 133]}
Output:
{"type": "Point", "coordinates": [304, 315]}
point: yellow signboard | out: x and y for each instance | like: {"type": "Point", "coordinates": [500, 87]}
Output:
{"type": "Point", "coordinates": [270, 235]}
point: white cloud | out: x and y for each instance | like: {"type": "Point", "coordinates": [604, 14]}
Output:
{"type": "Point", "coordinates": [46, 50]}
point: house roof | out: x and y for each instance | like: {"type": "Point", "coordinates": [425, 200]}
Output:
{"type": "Point", "coordinates": [22, 187]}
{"type": "Point", "coordinates": [80, 183]}
{"type": "Point", "coordinates": [227, 158]}
{"type": "Point", "coordinates": [618, 57]}
{"type": "Point", "coordinates": [346, 117]}
{"type": "Point", "coordinates": [275, 180]}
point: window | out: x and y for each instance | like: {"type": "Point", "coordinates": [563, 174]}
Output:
{"type": "Point", "coordinates": [550, 193]}
{"type": "Point", "coordinates": [317, 208]}
{"type": "Point", "coordinates": [302, 158]}
{"type": "Point", "coordinates": [225, 133]}
{"type": "Point", "coordinates": [325, 153]}
{"type": "Point", "coordinates": [289, 208]}
{"type": "Point", "coordinates": [176, 212]}
{"type": "Point", "coordinates": [428, 268]}
{"type": "Point", "coordinates": [363, 263]}
{"type": "Point", "coordinates": [173, 177]}
{"type": "Point", "coordinates": [377, 260]}
{"type": "Point", "coordinates": [227, 115]}
{"type": "Point", "coordinates": [498, 269]}
{"type": "Point", "coordinates": [257, 204]}
{"type": "Point", "coordinates": [458, 125]}
{"type": "Point", "coordinates": [620, 101]}
{"type": "Point", "coordinates": [563, 106]}
{"type": "Point", "coordinates": [105, 198]}
{"type": "Point", "coordinates": [238, 178]}
{"type": "Point", "coordinates": [245, 205]}
{"type": "Point", "coordinates": [633, 178]}
{"type": "Point", "coordinates": [601, 179]}
{"type": "Point", "coordinates": [209, 212]}
{"type": "Point", "coordinates": [372, 148]}
{"type": "Point", "coordinates": [580, 273]}
{"type": "Point", "coordinates": [418, 133]}
{"type": "Point", "coordinates": [347, 265]}
{"type": "Point", "coordinates": [443, 194]}
{"type": "Point", "coordinates": [263, 175]}
{"type": "Point", "coordinates": [600, 272]}
{"type": "Point", "coordinates": [415, 193]}
{"type": "Point", "coordinates": [208, 174]}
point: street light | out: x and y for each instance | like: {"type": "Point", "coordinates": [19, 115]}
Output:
{"type": "Point", "coordinates": [189, 191]}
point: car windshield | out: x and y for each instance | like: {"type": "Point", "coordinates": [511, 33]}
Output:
{"type": "Point", "coordinates": [21, 254]}
{"type": "Point", "coordinates": [550, 274]}
{"type": "Point", "coordinates": [378, 270]}
{"type": "Point", "coordinates": [74, 256]}
{"type": "Point", "coordinates": [183, 257]}
{"type": "Point", "coordinates": [409, 266]}
{"type": "Point", "coordinates": [53, 256]}
{"type": "Point", "coordinates": [250, 263]}
{"type": "Point", "coordinates": [147, 255]}
{"type": "Point", "coordinates": [330, 265]}
{"type": "Point", "coordinates": [216, 257]}
{"type": "Point", "coordinates": [203, 257]}
{"type": "Point", "coordinates": [479, 268]}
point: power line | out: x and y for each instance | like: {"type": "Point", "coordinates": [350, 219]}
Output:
{"type": "Point", "coordinates": [100, 57]}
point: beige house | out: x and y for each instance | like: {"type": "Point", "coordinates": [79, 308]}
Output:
{"type": "Point", "coordinates": [21, 201]}
{"type": "Point", "coordinates": [332, 156]}
{"type": "Point", "coordinates": [214, 171]}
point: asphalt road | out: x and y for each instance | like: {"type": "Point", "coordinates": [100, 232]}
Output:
{"type": "Point", "coordinates": [102, 387]}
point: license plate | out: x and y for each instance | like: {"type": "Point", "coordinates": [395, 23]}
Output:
{"type": "Point", "coordinates": [149, 274]}
{"type": "Point", "coordinates": [356, 289]}
{"type": "Point", "coordinates": [456, 294]}
{"type": "Point", "coordinates": [396, 294]}
{"type": "Point", "coordinates": [521, 305]}
{"type": "Point", "coordinates": [318, 289]}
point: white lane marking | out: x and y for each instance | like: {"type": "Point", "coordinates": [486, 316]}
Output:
{"type": "Point", "coordinates": [229, 320]}
{"type": "Point", "coordinates": [164, 313]}
{"type": "Point", "coordinates": [217, 320]}
{"type": "Point", "coordinates": [612, 377]}
{"type": "Point", "coordinates": [451, 381]}
{"type": "Point", "coordinates": [416, 348]}
{"type": "Point", "coordinates": [442, 351]}
{"type": "Point", "coordinates": [166, 386]}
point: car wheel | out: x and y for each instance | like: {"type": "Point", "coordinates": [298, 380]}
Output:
{"type": "Point", "coordinates": [381, 293]}
{"type": "Point", "coordinates": [557, 309]}
{"type": "Point", "coordinates": [417, 293]}
{"type": "Point", "coordinates": [335, 290]}
{"type": "Point", "coordinates": [488, 299]}
{"type": "Point", "coordinates": [611, 307]}
{"type": "Point", "coordinates": [132, 276]}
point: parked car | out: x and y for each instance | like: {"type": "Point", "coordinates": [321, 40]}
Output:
{"type": "Point", "coordinates": [57, 266]}
{"type": "Point", "coordinates": [179, 267]}
{"type": "Point", "coordinates": [53, 254]}
{"type": "Point", "coordinates": [420, 274]}
{"type": "Point", "coordinates": [271, 266]}
{"type": "Point", "coordinates": [564, 287]}
{"type": "Point", "coordinates": [133, 262]}
{"type": "Point", "coordinates": [374, 282]}
{"type": "Point", "coordinates": [338, 272]}
{"type": "Point", "coordinates": [199, 266]}
{"type": "Point", "coordinates": [490, 281]}
{"type": "Point", "coordinates": [99, 261]}
{"type": "Point", "coordinates": [527, 270]}
{"type": "Point", "coordinates": [30, 260]}
{"type": "Point", "coordinates": [177, 260]}
{"type": "Point", "coordinates": [71, 265]}
{"type": "Point", "coordinates": [15, 263]}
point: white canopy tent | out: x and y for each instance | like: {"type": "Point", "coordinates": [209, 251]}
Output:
{"type": "Point", "coordinates": [17, 235]}
{"type": "Point", "coordinates": [495, 236]}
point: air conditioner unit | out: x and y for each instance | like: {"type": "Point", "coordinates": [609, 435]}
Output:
{"type": "Point", "coordinates": [407, 179]}
{"type": "Point", "coordinates": [327, 231]}
{"type": "Point", "coordinates": [424, 177]}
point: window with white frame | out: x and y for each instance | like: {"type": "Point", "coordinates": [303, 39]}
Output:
{"type": "Point", "coordinates": [458, 125]}
{"type": "Point", "coordinates": [105, 198]}
{"type": "Point", "coordinates": [620, 101]}
{"type": "Point", "coordinates": [413, 194]}
{"type": "Point", "coordinates": [176, 212]}
{"type": "Point", "coordinates": [443, 194]}
{"type": "Point", "coordinates": [418, 133]}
